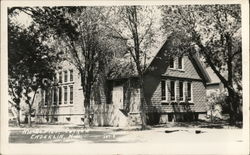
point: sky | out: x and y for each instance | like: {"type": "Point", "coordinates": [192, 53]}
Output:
{"type": "Point", "coordinates": [25, 20]}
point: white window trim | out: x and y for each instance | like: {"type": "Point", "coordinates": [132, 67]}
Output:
{"type": "Point", "coordinates": [176, 65]}
{"type": "Point", "coordinates": [192, 97]}
{"type": "Point", "coordinates": [184, 87]}
{"type": "Point", "coordinates": [175, 81]}
{"type": "Point", "coordinates": [191, 85]}
{"type": "Point", "coordinates": [182, 64]}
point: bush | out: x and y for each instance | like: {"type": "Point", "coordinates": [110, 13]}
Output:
{"type": "Point", "coordinates": [217, 105]}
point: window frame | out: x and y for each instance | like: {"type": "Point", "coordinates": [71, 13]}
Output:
{"type": "Point", "coordinates": [71, 94]}
{"type": "Point", "coordinates": [178, 61]}
{"type": "Point", "coordinates": [165, 90]}
{"type": "Point", "coordinates": [71, 75]}
{"type": "Point", "coordinates": [191, 92]}
{"type": "Point", "coordinates": [60, 80]}
{"type": "Point", "coordinates": [172, 91]}
{"type": "Point", "coordinates": [176, 96]}
{"type": "Point", "coordinates": [60, 95]}
{"type": "Point", "coordinates": [183, 90]}
{"type": "Point", "coordinates": [65, 94]}
{"type": "Point", "coordinates": [65, 76]}
{"type": "Point", "coordinates": [46, 97]}
{"type": "Point", "coordinates": [172, 62]}
{"type": "Point", "coordinates": [54, 96]}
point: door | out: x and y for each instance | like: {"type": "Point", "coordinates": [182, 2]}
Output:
{"type": "Point", "coordinates": [119, 119]}
{"type": "Point", "coordinates": [117, 97]}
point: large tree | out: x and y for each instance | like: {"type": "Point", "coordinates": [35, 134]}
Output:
{"type": "Point", "coordinates": [29, 63]}
{"type": "Point", "coordinates": [80, 37]}
{"type": "Point", "coordinates": [215, 31]}
{"type": "Point", "coordinates": [135, 25]}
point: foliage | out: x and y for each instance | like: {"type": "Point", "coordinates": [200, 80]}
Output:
{"type": "Point", "coordinates": [78, 35]}
{"type": "Point", "coordinates": [29, 62]}
{"type": "Point", "coordinates": [135, 25]}
{"type": "Point", "coordinates": [215, 30]}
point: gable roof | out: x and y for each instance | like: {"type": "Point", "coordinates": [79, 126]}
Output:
{"type": "Point", "coordinates": [127, 69]}
{"type": "Point", "coordinates": [213, 76]}
{"type": "Point", "coordinates": [201, 69]}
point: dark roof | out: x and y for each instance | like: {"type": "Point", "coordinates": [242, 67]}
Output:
{"type": "Point", "coordinates": [126, 69]}
{"type": "Point", "coordinates": [122, 70]}
{"type": "Point", "coordinates": [203, 71]}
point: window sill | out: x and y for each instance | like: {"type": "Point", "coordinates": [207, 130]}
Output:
{"type": "Point", "coordinates": [175, 103]}
{"type": "Point", "coordinates": [66, 83]}
{"type": "Point", "coordinates": [61, 105]}
{"type": "Point", "coordinates": [186, 103]}
{"type": "Point", "coordinates": [175, 69]}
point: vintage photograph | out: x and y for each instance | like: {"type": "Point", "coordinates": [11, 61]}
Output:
{"type": "Point", "coordinates": [122, 74]}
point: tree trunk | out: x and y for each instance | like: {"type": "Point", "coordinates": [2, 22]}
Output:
{"type": "Point", "coordinates": [29, 116]}
{"type": "Point", "coordinates": [29, 120]}
{"type": "Point", "coordinates": [86, 116]}
{"type": "Point", "coordinates": [18, 117]}
{"type": "Point", "coordinates": [143, 104]}
{"type": "Point", "coordinates": [233, 101]}
{"type": "Point", "coordinates": [87, 106]}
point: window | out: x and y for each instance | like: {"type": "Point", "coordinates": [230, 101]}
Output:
{"type": "Point", "coordinates": [180, 63]}
{"type": "Point", "coordinates": [46, 97]}
{"type": "Point", "coordinates": [60, 95]}
{"type": "Point", "coordinates": [172, 90]}
{"type": "Point", "coordinates": [189, 95]}
{"type": "Point", "coordinates": [65, 76]}
{"type": "Point", "coordinates": [163, 90]}
{"type": "Point", "coordinates": [60, 77]}
{"type": "Point", "coordinates": [71, 94]}
{"type": "Point", "coordinates": [181, 90]}
{"type": "Point", "coordinates": [71, 75]}
{"type": "Point", "coordinates": [171, 62]}
{"type": "Point", "coordinates": [55, 96]}
{"type": "Point", "coordinates": [65, 94]}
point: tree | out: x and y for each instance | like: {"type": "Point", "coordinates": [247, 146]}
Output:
{"type": "Point", "coordinates": [30, 61]}
{"type": "Point", "coordinates": [215, 30]}
{"type": "Point", "coordinates": [79, 33]}
{"type": "Point", "coordinates": [134, 24]}
{"type": "Point", "coordinates": [29, 64]}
